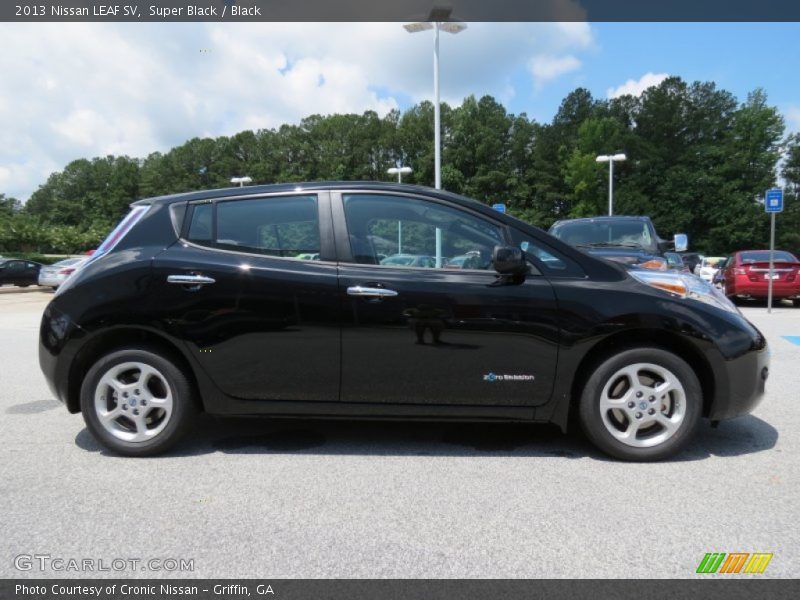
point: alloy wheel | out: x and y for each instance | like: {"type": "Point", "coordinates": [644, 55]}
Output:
{"type": "Point", "coordinates": [133, 401]}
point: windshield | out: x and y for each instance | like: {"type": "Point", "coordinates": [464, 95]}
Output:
{"type": "Point", "coordinates": [763, 256]}
{"type": "Point", "coordinates": [605, 233]}
{"type": "Point", "coordinates": [713, 261]}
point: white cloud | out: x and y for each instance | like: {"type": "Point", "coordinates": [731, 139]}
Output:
{"type": "Point", "coordinates": [89, 89]}
{"type": "Point", "coordinates": [635, 87]}
{"type": "Point", "coordinates": [546, 68]}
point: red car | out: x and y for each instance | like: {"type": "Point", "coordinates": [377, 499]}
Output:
{"type": "Point", "coordinates": [746, 275]}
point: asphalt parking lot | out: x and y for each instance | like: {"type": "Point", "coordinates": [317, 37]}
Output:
{"type": "Point", "coordinates": [331, 499]}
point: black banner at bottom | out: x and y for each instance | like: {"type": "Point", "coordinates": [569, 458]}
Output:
{"type": "Point", "coordinates": [391, 589]}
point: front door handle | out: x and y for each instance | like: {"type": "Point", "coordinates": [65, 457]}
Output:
{"type": "Point", "coordinates": [370, 292]}
{"type": "Point", "coordinates": [193, 281]}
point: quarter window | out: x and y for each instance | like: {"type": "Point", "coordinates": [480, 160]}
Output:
{"type": "Point", "coordinates": [412, 233]}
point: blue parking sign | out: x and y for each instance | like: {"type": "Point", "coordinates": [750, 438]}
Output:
{"type": "Point", "coordinates": [773, 201]}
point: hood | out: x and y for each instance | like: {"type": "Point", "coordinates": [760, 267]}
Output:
{"type": "Point", "coordinates": [621, 254]}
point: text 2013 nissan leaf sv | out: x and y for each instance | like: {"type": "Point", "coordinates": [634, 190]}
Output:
{"type": "Point", "coordinates": [209, 301]}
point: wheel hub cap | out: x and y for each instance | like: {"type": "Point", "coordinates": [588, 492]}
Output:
{"type": "Point", "coordinates": [629, 409]}
{"type": "Point", "coordinates": [141, 388]}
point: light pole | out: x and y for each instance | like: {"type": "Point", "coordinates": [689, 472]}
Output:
{"type": "Point", "coordinates": [611, 159]}
{"type": "Point", "coordinates": [438, 16]}
{"type": "Point", "coordinates": [399, 171]}
{"type": "Point", "coordinates": [241, 180]}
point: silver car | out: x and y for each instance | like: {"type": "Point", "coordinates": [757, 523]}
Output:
{"type": "Point", "coordinates": [56, 274]}
{"type": "Point", "coordinates": [708, 267]}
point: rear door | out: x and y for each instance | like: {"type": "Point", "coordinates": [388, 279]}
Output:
{"type": "Point", "coordinates": [252, 290]}
{"type": "Point", "coordinates": [432, 334]}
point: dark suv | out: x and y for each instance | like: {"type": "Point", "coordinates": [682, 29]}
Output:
{"type": "Point", "coordinates": [203, 301]}
{"type": "Point", "coordinates": [629, 240]}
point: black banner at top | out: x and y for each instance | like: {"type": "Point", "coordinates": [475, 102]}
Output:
{"type": "Point", "coordinates": [397, 10]}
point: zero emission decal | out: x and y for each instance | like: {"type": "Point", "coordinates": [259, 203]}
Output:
{"type": "Point", "coordinates": [734, 563]}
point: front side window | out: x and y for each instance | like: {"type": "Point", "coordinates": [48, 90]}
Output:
{"type": "Point", "coordinates": [286, 226]}
{"type": "Point", "coordinates": [396, 231]}
{"type": "Point", "coordinates": [553, 263]}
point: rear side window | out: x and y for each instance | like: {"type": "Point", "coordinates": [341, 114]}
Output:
{"type": "Point", "coordinates": [285, 226]}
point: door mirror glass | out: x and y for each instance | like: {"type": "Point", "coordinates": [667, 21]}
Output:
{"type": "Point", "coordinates": [681, 241]}
{"type": "Point", "coordinates": [509, 260]}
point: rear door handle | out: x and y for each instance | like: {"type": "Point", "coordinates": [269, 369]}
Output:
{"type": "Point", "coordinates": [194, 281]}
{"type": "Point", "coordinates": [370, 292]}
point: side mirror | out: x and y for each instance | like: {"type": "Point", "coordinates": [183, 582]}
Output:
{"type": "Point", "coordinates": [509, 260]}
{"type": "Point", "coordinates": [681, 241]}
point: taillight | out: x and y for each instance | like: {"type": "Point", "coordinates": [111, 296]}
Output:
{"type": "Point", "coordinates": [790, 276]}
{"type": "Point", "coordinates": [740, 271]}
{"type": "Point", "coordinates": [67, 271]}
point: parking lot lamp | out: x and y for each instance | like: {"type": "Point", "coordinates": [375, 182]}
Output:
{"type": "Point", "coordinates": [438, 16]}
{"type": "Point", "coordinates": [242, 181]}
{"type": "Point", "coordinates": [399, 171]}
{"type": "Point", "coordinates": [611, 159]}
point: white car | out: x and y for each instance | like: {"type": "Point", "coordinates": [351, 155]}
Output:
{"type": "Point", "coordinates": [56, 274]}
{"type": "Point", "coordinates": [708, 267]}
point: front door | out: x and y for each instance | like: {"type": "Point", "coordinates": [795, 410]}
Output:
{"type": "Point", "coordinates": [426, 319]}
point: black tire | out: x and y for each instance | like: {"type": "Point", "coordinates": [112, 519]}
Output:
{"type": "Point", "coordinates": [590, 413]}
{"type": "Point", "coordinates": [184, 406]}
{"type": "Point", "coordinates": [796, 302]}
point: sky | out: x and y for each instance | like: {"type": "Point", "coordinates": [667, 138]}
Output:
{"type": "Point", "coordinates": [81, 90]}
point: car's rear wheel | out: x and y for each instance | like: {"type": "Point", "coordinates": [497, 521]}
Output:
{"type": "Point", "coordinates": [137, 402]}
{"type": "Point", "coordinates": [641, 404]}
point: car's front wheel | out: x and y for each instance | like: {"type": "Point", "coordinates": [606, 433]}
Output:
{"type": "Point", "coordinates": [641, 404]}
{"type": "Point", "coordinates": [137, 402]}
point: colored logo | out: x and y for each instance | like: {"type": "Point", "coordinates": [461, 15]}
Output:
{"type": "Point", "coordinates": [734, 563]}
{"type": "Point", "coordinates": [496, 377]}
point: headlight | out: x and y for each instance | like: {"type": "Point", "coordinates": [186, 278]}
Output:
{"type": "Point", "coordinates": [683, 285]}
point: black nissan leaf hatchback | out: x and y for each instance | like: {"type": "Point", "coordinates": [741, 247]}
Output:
{"type": "Point", "coordinates": [279, 301]}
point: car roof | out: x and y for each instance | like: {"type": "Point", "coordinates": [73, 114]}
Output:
{"type": "Point", "coordinates": [311, 186]}
{"type": "Point", "coordinates": [315, 186]}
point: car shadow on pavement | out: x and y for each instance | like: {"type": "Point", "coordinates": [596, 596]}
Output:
{"type": "Point", "coordinates": [746, 435]}
{"type": "Point", "coordinates": [743, 435]}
